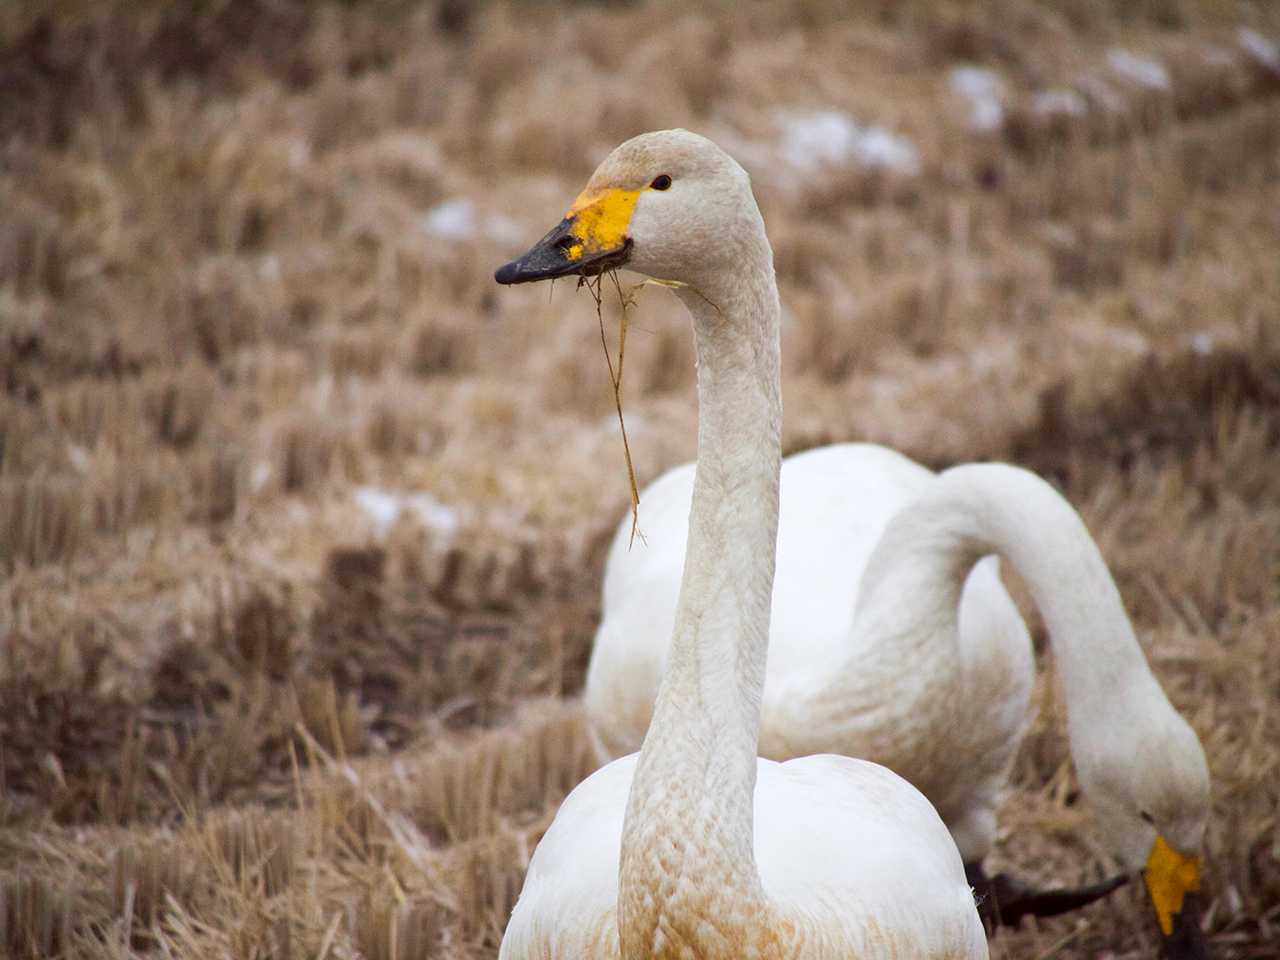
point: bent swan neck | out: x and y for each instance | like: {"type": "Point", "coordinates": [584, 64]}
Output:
{"type": "Point", "coordinates": [920, 564]}
{"type": "Point", "coordinates": [689, 814]}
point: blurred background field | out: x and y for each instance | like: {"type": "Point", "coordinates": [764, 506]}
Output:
{"type": "Point", "coordinates": [303, 517]}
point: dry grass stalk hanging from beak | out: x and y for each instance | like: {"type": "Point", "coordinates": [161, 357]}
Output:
{"type": "Point", "coordinates": [615, 377]}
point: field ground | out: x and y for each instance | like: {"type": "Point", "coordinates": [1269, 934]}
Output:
{"type": "Point", "coordinates": [303, 517]}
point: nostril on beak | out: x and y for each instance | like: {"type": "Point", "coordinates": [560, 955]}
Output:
{"type": "Point", "coordinates": [508, 272]}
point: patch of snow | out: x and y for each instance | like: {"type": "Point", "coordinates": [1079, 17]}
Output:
{"type": "Point", "coordinates": [1263, 51]}
{"type": "Point", "coordinates": [1142, 71]}
{"type": "Point", "coordinates": [1102, 93]}
{"type": "Point", "coordinates": [384, 508]}
{"type": "Point", "coordinates": [452, 220]}
{"type": "Point", "coordinates": [440, 519]}
{"type": "Point", "coordinates": [1202, 343]}
{"type": "Point", "coordinates": [993, 357]}
{"type": "Point", "coordinates": [809, 143]}
{"type": "Point", "coordinates": [380, 506]}
{"type": "Point", "coordinates": [299, 152]}
{"type": "Point", "coordinates": [78, 456]}
{"type": "Point", "coordinates": [269, 267]}
{"type": "Point", "coordinates": [1058, 234]}
{"type": "Point", "coordinates": [1130, 340]}
{"type": "Point", "coordinates": [259, 476]}
{"type": "Point", "coordinates": [812, 139]}
{"type": "Point", "coordinates": [456, 219]}
{"type": "Point", "coordinates": [1059, 103]}
{"type": "Point", "coordinates": [985, 92]}
{"type": "Point", "coordinates": [878, 147]}
{"type": "Point", "coordinates": [1114, 337]}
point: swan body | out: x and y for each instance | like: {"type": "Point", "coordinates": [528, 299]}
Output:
{"type": "Point", "coordinates": [568, 907]}
{"type": "Point", "coordinates": [694, 847]}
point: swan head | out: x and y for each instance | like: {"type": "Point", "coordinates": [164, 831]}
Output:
{"type": "Point", "coordinates": [670, 204]}
{"type": "Point", "coordinates": [1149, 788]}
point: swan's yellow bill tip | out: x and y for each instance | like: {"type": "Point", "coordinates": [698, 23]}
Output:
{"type": "Point", "coordinates": [600, 221]}
{"type": "Point", "coordinates": [1170, 876]}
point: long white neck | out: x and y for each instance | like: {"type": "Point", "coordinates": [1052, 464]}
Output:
{"type": "Point", "coordinates": [912, 584]}
{"type": "Point", "coordinates": [688, 826]}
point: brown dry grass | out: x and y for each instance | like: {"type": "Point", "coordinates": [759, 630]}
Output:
{"type": "Point", "coordinates": [237, 720]}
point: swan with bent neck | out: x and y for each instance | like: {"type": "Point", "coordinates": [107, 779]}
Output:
{"type": "Point", "coordinates": [892, 637]}
{"type": "Point", "coordinates": [695, 847]}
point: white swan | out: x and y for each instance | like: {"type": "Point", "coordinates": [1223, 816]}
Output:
{"type": "Point", "coordinates": [892, 639]}
{"type": "Point", "coordinates": [695, 848]}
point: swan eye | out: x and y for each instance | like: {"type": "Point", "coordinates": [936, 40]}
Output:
{"type": "Point", "coordinates": [1146, 816]}
{"type": "Point", "coordinates": [661, 182]}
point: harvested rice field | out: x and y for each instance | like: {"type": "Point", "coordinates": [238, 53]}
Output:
{"type": "Point", "coordinates": [303, 518]}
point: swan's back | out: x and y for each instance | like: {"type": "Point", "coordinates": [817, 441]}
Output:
{"type": "Point", "coordinates": [837, 838]}
{"type": "Point", "coordinates": [835, 503]}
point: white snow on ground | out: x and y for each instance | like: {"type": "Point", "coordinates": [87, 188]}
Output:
{"type": "Point", "coordinates": [812, 139]}
{"type": "Point", "coordinates": [383, 508]}
{"type": "Point", "coordinates": [452, 220]}
{"type": "Point", "coordinates": [810, 143]}
{"type": "Point", "coordinates": [984, 91]}
{"type": "Point", "coordinates": [78, 457]}
{"type": "Point", "coordinates": [269, 267]}
{"type": "Point", "coordinates": [1059, 102]}
{"type": "Point", "coordinates": [1101, 92]}
{"type": "Point", "coordinates": [380, 506]}
{"type": "Point", "coordinates": [1142, 71]}
{"type": "Point", "coordinates": [299, 152]}
{"type": "Point", "coordinates": [259, 476]}
{"type": "Point", "coordinates": [1264, 52]}
{"type": "Point", "coordinates": [1110, 338]}
{"type": "Point", "coordinates": [432, 514]}
{"type": "Point", "coordinates": [878, 147]}
{"type": "Point", "coordinates": [1202, 343]}
{"type": "Point", "coordinates": [456, 219]}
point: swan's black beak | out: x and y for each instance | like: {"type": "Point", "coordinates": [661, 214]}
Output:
{"type": "Point", "coordinates": [554, 256]}
{"type": "Point", "coordinates": [593, 237]}
{"type": "Point", "coordinates": [1187, 941]}
{"type": "Point", "coordinates": [1004, 900]}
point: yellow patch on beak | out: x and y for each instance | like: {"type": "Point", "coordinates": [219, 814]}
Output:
{"type": "Point", "coordinates": [1170, 876]}
{"type": "Point", "coordinates": [600, 221]}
